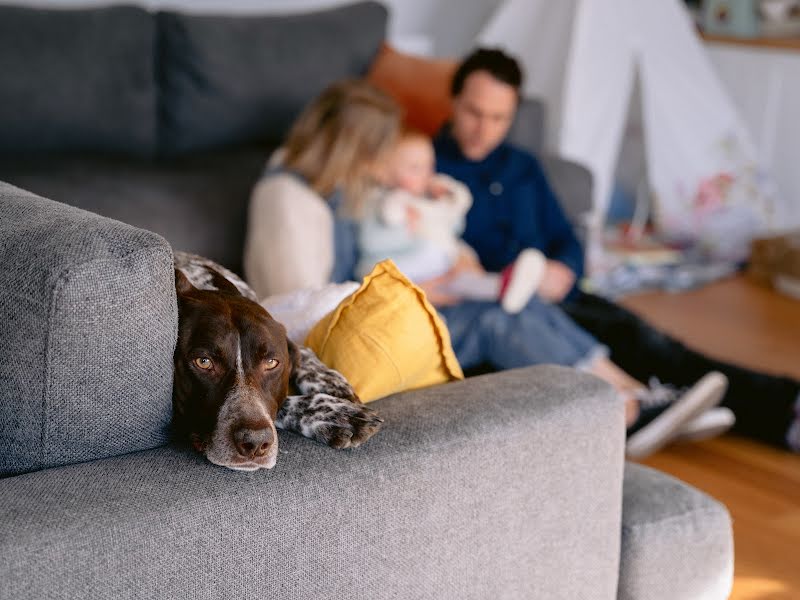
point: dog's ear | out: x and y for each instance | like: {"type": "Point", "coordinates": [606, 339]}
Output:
{"type": "Point", "coordinates": [223, 284]}
{"type": "Point", "coordinates": [182, 284]}
{"type": "Point", "coordinates": [294, 355]}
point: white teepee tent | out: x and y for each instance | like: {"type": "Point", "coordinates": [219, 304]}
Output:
{"type": "Point", "coordinates": [582, 57]}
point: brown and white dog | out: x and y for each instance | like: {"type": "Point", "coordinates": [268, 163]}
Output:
{"type": "Point", "coordinates": [235, 369]}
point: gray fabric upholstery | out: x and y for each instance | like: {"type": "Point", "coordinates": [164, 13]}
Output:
{"type": "Point", "coordinates": [677, 543]}
{"type": "Point", "coordinates": [572, 184]}
{"type": "Point", "coordinates": [89, 324]}
{"type": "Point", "coordinates": [471, 490]}
{"type": "Point", "coordinates": [77, 80]}
{"type": "Point", "coordinates": [237, 79]}
{"type": "Point", "coordinates": [198, 203]}
{"type": "Point", "coordinates": [527, 130]}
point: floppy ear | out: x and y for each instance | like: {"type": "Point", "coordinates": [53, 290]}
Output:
{"type": "Point", "coordinates": [222, 283]}
{"type": "Point", "coordinates": [294, 355]}
{"type": "Point", "coordinates": [182, 284]}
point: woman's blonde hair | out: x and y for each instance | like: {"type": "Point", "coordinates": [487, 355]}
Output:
{"type": "Point", "coordinates": [341, 135]}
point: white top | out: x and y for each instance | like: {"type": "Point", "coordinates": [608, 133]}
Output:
{"type": "Point", "coordinates": [428, 249]}
{"type": "Point", "coordinates": [289, 243]}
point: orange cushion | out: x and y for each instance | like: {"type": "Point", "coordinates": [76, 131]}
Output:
{"type": "Point", "coordinates": [420, 85]}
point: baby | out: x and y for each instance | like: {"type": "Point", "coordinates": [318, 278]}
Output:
{"type": "Point", "coordinates": [417, 221]}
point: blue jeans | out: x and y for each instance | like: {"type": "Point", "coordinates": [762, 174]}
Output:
{"type": "Point", "coordinates": [482, 332]}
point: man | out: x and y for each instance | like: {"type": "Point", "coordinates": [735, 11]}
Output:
{"type": "Point", "coordinates": [513, 209]}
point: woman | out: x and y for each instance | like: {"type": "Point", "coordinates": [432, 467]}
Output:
{"type": "Point", "coordinates": [301, 235]}
{"type": "Point", "coordinates": [300, 232]}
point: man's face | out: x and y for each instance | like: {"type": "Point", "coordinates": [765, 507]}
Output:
{"type": "Point", "coordinates": [482, 114]}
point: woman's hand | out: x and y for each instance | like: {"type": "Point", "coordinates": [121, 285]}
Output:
{"type": "Point", "coordinates": [467, 261]}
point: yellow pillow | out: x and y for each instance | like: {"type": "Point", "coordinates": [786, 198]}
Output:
{"type": "Point", "coordinates": [386, 337]}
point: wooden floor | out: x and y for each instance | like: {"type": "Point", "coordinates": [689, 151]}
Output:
{"type": "Point", "coordinates": [741, 322]}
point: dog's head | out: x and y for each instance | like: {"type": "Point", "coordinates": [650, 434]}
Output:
{"type": "Point", "coordinates": [233, 363]}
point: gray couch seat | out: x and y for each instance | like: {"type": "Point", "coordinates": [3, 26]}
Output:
{"type": "Point", "coordinates": [497, 487]}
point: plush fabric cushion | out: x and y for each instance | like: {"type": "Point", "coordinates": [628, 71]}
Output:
{"type": "Point", "coordinates": [300, 310]}
{"type": "Point", "coordinates": [77, 80]}
{"type": "Point", "coordinates": [231, 79]}
{"type": "Point", "coordinates": [420, 85]}
{"type": "Point", "coordinates": [386, 337]}
{"type": "Point", "coordinates": [89, 322]}
{"type": "Point", "coordinates": [506, 486]}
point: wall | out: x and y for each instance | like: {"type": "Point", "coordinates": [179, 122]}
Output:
{"type": "Point", "coordinates": [765, 85]}
{"type": "Point", "coordinates": [428, 27]}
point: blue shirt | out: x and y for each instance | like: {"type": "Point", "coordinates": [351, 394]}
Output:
{"type": "Point", "coordinates": [513, 206]}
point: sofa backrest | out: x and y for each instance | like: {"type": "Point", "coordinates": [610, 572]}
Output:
{"type": "Point", "coordinates": [228, 80]}
{"type": "Point", "coordinates": [81, 79]}
{"type": "Point", "coordinates": [126, 81]}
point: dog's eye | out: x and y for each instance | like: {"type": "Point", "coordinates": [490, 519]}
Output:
{"type": "Point", "coordinates": [203, 362]}
{"type": "Point", "coordinates": [270, 364]}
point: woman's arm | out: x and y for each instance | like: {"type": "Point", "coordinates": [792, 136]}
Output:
{"type": "Point", "coordinates": [289, 243]}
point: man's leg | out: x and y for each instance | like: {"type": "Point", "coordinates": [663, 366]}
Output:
{"type": "Point", "coordinates": [764, 405]}
{"type": "Point", "coordinates": [482, 332]}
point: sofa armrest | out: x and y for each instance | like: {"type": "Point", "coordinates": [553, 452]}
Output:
{"type": "Point", "coordinates": [572, 184]}
{"type": "Point", "coordinates": [527, 130]}
{"type": "Point", "coordinates": [87, 334]}
{"type": "Point", "coordinates": [496, 486]}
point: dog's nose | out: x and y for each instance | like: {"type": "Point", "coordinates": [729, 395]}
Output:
{"type": "Point", "coordinates": [253, 442]}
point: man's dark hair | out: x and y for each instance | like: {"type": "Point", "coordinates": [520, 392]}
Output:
{"type": "Point", "coordinates": [492, 60]}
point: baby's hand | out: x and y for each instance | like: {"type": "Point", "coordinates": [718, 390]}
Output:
{"type": "Point", "coordinates": [437, 189]}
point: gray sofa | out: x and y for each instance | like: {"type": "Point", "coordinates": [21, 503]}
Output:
{"type": "Point", "coordinates": [508, 485]}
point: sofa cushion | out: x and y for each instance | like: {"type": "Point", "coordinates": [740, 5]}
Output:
{"type": "Point", "coordinates": [86, 339]}
{"type": "Point", "coordinates": [77, 80]}
{"type": "Point", "coordinates": [660, 514]}
{"type": "Point", "coordinates": [426, 107]}
{"type": "Point", "coordinates": [236, 79]}
{"type": "Point", "coordinates": [506, 486]}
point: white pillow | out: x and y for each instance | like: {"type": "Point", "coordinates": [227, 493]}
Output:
{"type": "Point", "coordinates": [300, 310]}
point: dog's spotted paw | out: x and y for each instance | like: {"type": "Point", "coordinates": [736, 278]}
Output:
{"type": "Point", "coordinates": [336, 422]}
{"type": "Point", "coordinates": [311, 376]}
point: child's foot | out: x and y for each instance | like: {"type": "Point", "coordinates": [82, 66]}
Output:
{"type": "Point", "coordinates": [521, 280]}
{"type": "Point", "coordinates": [665, 412]}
